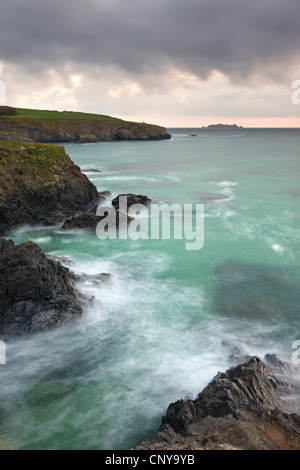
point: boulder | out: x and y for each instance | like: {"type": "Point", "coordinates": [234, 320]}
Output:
{"type": "Point", "coordinates": [36, 291]}
{"type": "Point", "coordinates": [252, 406]}
{"type": "Point", "coordinates": [131, 199]}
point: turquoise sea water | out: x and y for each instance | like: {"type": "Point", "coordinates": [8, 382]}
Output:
{"type": "Point", "coordinates": [156, 332]}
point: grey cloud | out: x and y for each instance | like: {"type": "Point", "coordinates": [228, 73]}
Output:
{"type": "Point", "coordinates": [233, 36]}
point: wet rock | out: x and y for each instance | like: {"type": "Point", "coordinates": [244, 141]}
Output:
{"type": "Point", "coordinates": [36, 291]}
{"type": "Point", "coordinates": [243, 409]}
{"type": "Point", "coordinates": [89, 220]}
{"type": "Point", "coordinates": [131, 199]}
{"type": "Point", "coordinates": [236, 355]}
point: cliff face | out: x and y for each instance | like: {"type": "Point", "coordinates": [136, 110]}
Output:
{"type": "Point", "coordinates": [252, 406]}
{"type": "Point", "coordinates": [36, 293]}
{"type": "Point", "coordinates": [76, 130]}
{"type": "Point", "coordinates": [39, 184]}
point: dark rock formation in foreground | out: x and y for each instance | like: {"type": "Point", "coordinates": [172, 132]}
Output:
{"type": "Point", "coordinates": [252, 406]}
{"type": "Point", "coordinates": [84, 130]}
{"type": "Point", "coordinates": [40, 185]}
{"type": "Point", "coordinates": [36, 291]}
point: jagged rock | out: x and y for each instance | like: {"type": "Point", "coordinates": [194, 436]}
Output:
{"type": "Point", "coordinates": [89, 220]}
{"type": "Point", "coordinates": [131, 199]}
{"type": "Point", "coordinates": [244, 408]}
{"type": "Point", "coordinates": [36, 291]}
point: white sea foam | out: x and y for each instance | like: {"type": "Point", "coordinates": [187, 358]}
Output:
{"type": "Point", "coordinates": [42, 240]}
{"type": "Point", "coordinates": [277, 247]}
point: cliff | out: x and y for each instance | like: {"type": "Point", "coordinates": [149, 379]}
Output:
{"type": "Point", "coordinates": [40, 185]}
{"type": "Point", "coordinates": [53, 126]}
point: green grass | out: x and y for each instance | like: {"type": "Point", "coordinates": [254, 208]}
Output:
{"type": "Point", "coordinates": [41, 161]}
{"type": "Point", "coordinates": [44, 114]}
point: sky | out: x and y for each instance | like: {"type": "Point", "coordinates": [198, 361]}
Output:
{"type": "Point", "coordinates": [177, 63]}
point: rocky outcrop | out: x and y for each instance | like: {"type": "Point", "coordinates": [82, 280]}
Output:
{"type": "Point", "coordinates": [252, 406]}
{"type": "Point", "coordinates": [40, 185]}
{"type": "Point", "coordinates": [89, 220]}
{"type": "Point", "coordinates": [131, 199]}
{"type": "Point", "coordinates": [36, 291]}
{"type": "Point", "coordinates": [76, 130]}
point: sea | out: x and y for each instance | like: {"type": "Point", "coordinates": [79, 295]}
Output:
{"type": "Point", "coordinates": [168, 318]}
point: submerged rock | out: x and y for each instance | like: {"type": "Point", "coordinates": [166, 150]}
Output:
{"type": "Point", "coordinates": [36, 291]}
{"type": "Point", "coordinates": [242, 409]}
{"type": "Point", "coordinates": [253, 290]}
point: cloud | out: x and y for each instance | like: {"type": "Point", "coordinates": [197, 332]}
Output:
{"type": "Point", "coordinates": [237, 38]}
{"type": "Point", "coordinates": [150, 59]}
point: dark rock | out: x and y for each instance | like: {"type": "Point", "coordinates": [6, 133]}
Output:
{"type": "Point", "coordinates": [36, 292]}
{"type": "Point", "coordinates": [89, 220]}
{"type": "Point", "coordinates": [243, 408]}
{"type": "Point", "coordinates": [236, 355]}
{"type": "Point", "coordinates": [84, 221]}
{"type": "Point", "coordinates": [131, 199]}
{"type": "Point", "coordinates": [103, 195]}
{"type": "Point", "coordinates": [26, 199]}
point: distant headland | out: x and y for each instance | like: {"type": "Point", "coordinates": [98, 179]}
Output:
{"type": "Point", "coordinates": [222, 126]}
{"type": "Point", "coordinates": [33, 125]}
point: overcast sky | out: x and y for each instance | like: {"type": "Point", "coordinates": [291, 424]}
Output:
{"type": "Point", "coordinates": [171, 62]}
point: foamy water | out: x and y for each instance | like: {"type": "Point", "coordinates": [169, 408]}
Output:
{"type": "Point", "coordinates": [156, 330]}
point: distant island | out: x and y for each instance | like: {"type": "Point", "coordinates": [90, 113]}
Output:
{"type": "Point", "coordinates": [33, 125]}
{"type": "Point", "coordinates": [222, 126]}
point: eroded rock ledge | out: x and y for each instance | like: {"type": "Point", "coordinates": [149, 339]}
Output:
{"type": "Point", "coordinates": [37, 292]}
{"type": "Point", "coordinates": [252, 406]}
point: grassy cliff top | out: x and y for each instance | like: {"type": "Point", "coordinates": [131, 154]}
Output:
{"type": "Point", "coordinates": [43, 161]}
{"type": "Point", "coordinates": [10, 112]}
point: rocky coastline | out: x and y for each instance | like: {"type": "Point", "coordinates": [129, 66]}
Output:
{"type": "Point", "coordinates": [252, 406]}
{"type": "Point", "coordinates": [41, 186]}
{"type": "Point", "coordinates": [74, 129]}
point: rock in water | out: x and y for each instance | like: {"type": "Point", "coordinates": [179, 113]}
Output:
{"type": "Point", "coordinates": [40, 185]}
{"type": "Point", "coordinates": [241, 409]}
{"type": "Point", "coordinates": [89, 220]}
{"type": "Point", "coordinates": [131, 199]}
{"type": "Point", "coordinates": [36, 292]}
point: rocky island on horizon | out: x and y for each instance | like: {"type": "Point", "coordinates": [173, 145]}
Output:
{"type": "Point", "coordinates": [222, 126]}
